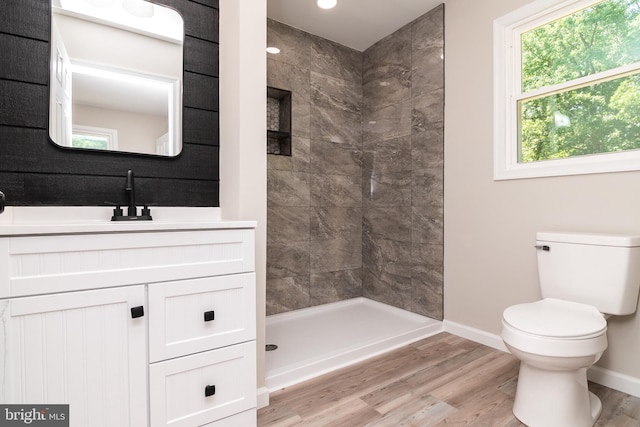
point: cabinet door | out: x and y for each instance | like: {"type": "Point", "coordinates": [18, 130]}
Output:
{"type": "Point", "coordinates": [79, 348]}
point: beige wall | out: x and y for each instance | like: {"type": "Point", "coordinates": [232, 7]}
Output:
{"type": "Point", "coordinates": [490, 225]}
{"type": "Point", "coordinates": [137, 133]}
{"type": "Point", "coordinates": [243, 131]}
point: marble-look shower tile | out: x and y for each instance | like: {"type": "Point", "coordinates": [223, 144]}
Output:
{"type": "Point", "coordinates": [287, 259]}
{"type": "Point", "coordinates": [287, 188]}
{"type": "Point", "coordinates": [389, 122]}
{"type": "Point", "coordinates": [287, 224]}
{"type": "Point", "coordinates": [427, 280]}
{"type": "Point", "coordinates": [335, 158]}
{"type": "Point", "coordinates": [428, 190]}
{"type": "Point", "coordinates": [427, 148]}
{"type": "Point", "coordinates": [427, 299]}
{"type": "Point", "coordinates": [335, 254]}
{"type": "Point", "coordinates": [428, 30]}
{"type": "Point", "coordinates": [428, 111]}
{"type": "Point", "coordinates": [336, 190]}
{"type": "Point", "coordinates": [298, 161]}
{"type": "Point", "coordinates": [331, 222]}
{"type": "Point", "coordinates": [336, 60]}
{"type": "Point", "coordinates": [387, 156]}
{"type": "Point", "coordinates": [335, 286]}
{"type": "Point", "coordinates": [427, 263]}
{"type": "Point", "coordinates": [295, 79]}
{"type": "Point", "coordinates": [287, 293]}
{"type": "Point", "coordinates": [387, 70]}
{"type": "Point", "coordinates": [391, 223]}
{"type": "Point", "coordinates": [390, 90]}
{"type": "Point", "coordinates": [295, 45]}
{"type": "Point", "coordinates": [427, 72]}
{"type": "Point", "coordinates": [335, 93]}
{"type": "Point", "coordinates": [426, 227]}
{"type": "Point", "coordinates": [386, 190]}
{"type": "Point", "coordinates": [387, 288]}
{"type": "Point", "coordinates": [386, 256]}
{"type": "Point", "coordinates": [300, 117]}
{"type": "Point", "coordinates": [337, 126]}
{"type": "Point", "coordinates": [300, 149]}
{"type": "Point", "coordinates": [277, 162]}
{"type": "Point", "coordinates": [389, 56]}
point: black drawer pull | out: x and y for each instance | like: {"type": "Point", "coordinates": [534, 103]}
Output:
{"type": "Point", "coordinates": [209, 390]}
{"type": "Point", "coordinates": [209, 316]}
{"type": "Point", "coordinates": [137, 312]}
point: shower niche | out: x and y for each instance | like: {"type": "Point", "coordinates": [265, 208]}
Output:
{"type": "Point", "coordinates": [278, 121]}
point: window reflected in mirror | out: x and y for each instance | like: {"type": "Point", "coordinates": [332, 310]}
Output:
{"type": "Point", "coordinates": [116, 76]}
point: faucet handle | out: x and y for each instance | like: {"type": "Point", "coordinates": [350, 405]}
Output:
{"type": "Point", "coordinates": [117, 213]}
{"type": "Point", "coordinates": [146, 212]}
{"type": "Point", "coordinates": [117, 210]}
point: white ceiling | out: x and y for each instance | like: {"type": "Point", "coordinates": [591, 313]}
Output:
{"type": "Point", "coordinates": [357, 24]}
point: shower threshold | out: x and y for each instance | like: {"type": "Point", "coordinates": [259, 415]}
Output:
{"type": "Point", "coordinates": [321, 339]}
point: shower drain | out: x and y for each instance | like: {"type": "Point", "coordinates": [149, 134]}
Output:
{"type": "Point", "coordinates": [270, 347]}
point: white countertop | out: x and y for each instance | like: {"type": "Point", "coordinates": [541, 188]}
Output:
{"type": "Point", "coordinates": [30, 221]}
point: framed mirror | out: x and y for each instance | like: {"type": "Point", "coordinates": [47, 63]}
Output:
{"type": "Point", "coordinates": [116, 76]}
{"type": "Point", "coordinates": [35, 171]}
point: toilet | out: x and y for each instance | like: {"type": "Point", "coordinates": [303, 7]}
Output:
{"type": "Point", "coordinates": [584, 278]}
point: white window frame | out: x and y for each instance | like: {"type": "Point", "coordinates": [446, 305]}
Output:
{"type": "Point", "coordinates": [110, 135]}
{"type": "Point", "coordinates": [507, 87]}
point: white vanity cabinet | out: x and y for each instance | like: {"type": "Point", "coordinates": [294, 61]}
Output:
{"type": "Point", "coordinates": [132, 328]}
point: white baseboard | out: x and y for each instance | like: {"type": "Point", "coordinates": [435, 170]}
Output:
{"type": "Point", "coordinates": [473, 334]}
{"type": "Point", "coordinates": [262, 395]}
{"type": "Point", "coordinates": [614, 380]}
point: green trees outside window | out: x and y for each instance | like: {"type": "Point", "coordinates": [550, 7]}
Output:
{"type": "Point", "coordinates": [90, 141]}
{"type": "Point", "coordinates": [580, 84]}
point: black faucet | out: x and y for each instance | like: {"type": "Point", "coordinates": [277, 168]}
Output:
{"type": "Point", "coordinates": [132, 211]}
{"type": "Point", "coordinates": [131, 190]}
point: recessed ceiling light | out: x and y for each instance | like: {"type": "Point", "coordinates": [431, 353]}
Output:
{"type": "Point", "coordinates": [273, 50]}
{"type": "Point", "coordinates": [327, 4]}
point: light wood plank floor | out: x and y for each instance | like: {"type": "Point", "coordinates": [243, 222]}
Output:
{"type": "Point", "coordinates": [443, 380]}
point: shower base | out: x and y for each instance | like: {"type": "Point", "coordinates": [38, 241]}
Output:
{"type": "Point", "coordinates": [317, 340]}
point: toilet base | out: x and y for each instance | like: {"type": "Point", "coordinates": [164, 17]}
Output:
{"type": "Point", "coordinates": [546, 398]}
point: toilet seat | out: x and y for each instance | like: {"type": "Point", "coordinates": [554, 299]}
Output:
{"type": "Point", "coordinates": [554, 318]}
{"type": "Point", "coordinates": [553, 327]}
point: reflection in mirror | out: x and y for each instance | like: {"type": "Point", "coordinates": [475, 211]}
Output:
{"type": "Point", "coordinates": [116, 76]}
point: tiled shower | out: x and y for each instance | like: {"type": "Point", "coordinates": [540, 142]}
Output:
{"type": "Point", "coordinates": [357, 209]}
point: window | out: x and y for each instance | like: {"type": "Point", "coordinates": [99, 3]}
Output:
{"type": "Point", "coordinates": [567, 88]}
{"type": "Point", "coordinates": [94, 137]}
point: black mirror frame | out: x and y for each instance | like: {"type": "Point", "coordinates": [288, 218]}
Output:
{"type": "Point", "coordinates": [35, 171]}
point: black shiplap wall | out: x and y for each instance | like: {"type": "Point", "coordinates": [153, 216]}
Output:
{"type": "Point", "coordinates": [34, 171]}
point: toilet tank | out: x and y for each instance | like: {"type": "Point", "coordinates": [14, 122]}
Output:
{"type": "Point", "coordinates": [602, 270]}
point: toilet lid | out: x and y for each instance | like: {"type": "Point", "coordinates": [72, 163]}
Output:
{"type": "Point", "coordinates": [556, 319]}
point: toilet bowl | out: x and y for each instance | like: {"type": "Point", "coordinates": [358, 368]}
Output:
{"type": "Point", "coordinates": [581, 275]}
{"type": "Point", "coordinates": [556, 341]}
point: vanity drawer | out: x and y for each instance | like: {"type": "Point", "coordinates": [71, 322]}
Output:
{"type": "Point", "coordinates": [190, 316]}
{"type": "Point", "coordinates": [182, 390]}
{"type": "Point", "coordinates": [35, 265]}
